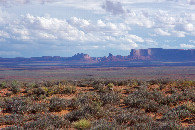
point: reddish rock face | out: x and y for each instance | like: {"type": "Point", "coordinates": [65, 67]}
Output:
{"type": "Point", "coordinates": [163, 54]}
{"type": "Point", "coordinates": [81, 57]}
{"type": "Point", "coordinates": [135, 55]}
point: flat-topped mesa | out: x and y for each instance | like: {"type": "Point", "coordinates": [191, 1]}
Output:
{"type": "Point", "coordinates": [81, 56]}
{"type": "Point", "coordinates": [163, 54]}
{"type": "Point", "coordinates": [141, 54]}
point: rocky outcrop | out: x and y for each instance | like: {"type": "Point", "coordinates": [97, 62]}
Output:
{"type": "Point", "coordinates": [135, 55]}
{"type": "Point", "coordinates": [81, 57]}
{"type": "Point", "coordinates": [163, 54]}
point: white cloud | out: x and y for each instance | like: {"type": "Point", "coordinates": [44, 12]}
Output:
{"type": "Point", "coordinates": [192, 2]}
{"type": "Point", "coordinates": [13, 2]}
{"type": "Point", "coordinates": [79, 22]}
{"type": "Point", "coordinates": [189, 27]}
{"type": "Point", "coordinates": [117, 24]}
{"type": "Point", "coordinates": [162, 32]}
{"type": "Point", "coordinates": [9, 53]}
{"type": "Point", "coordinates": [135, 38]}
{"type": "Point", "coordinates": [151, 42]}
{"type": "Point", "coordinates": [178, 33]}
{"type": "Point", "coordinates": [187, 46]}
{"type": "Point", "coordinates": [100, 23]}
{"type": "Point", "coordinates": [124, 46]}
{"type": "Point", "coordinates": [192, 41]}
{"type": "Point", "coordinates": [4, 34]}
{"type": "Point", "coordinates": [113, 7]}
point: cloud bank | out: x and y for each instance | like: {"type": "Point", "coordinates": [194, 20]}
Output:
{"type": "Point", "coordinates": [119, 25]}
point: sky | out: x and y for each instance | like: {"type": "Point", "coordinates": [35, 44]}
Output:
{"type": "Point", "coordinates": [31, 28]}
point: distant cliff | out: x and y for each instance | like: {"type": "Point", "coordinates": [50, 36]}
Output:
{"type": "Point", "coordinates": [164, 54]}
{"type": "Point", "coordinates": [150, 54]}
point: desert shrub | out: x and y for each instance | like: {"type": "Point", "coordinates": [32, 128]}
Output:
{"type": "Point", "coordinates": [103, 125]}
{"type": "Point", "coordinates": [188, 83]}
{"type": "Point", "coordinates": [85, 112]}
{"type": "Point", "coordinates": [163, 109]}
{"type": "Point", "coordinates": [48, 122]}
{"type": "Point", "coordinates": [3, 85]}
{"type": "Point", "coordinates": [177, 113]}
{"type": "Point", "coordinates": [40, 91]}
{"type": "Point", "coordinates": [144, 99]}
{"type": "Point", "coordinates": [123, 118]}
{"type": "Point", "coordinates": [159, 81]}
{"type": "Point", "coordinates": [151, 106]}
{"type": "Point", "coordinates": [75, 115]}
{"type": "Point", "coordinates": [37, 93]}
{"type": "Point", "coordinates": [49, 83]}
{"type": "Point", "coordinates": [94, 110]}
{"type": "Point", "coordinates": [110, 98]}
{"type": "Point", "coordinates": [135, 83]}
{"type": "Point", "coordinates": [110, 86]}
{"type": "Point", "coordinates": [146, 126]}
{"type": "Point", "coordinates": [170, 99]}
{"type": "Point", "coordinates": [121, 83]}
{"type": "Point", "coordinates": [136, 119]}
{"type": "Point", "coordinates": [85, 83]}
{"type": "Point", "coordinates": [2, 102]}
{"type": "Point", "coordinates": [57, 104]}
{"type": "Point", "coordinates": [30, 85]}
{"type": "Point", "coordinates": [37, 107]}
{"type": "Point", "coordinates": [188, 94]}
{"type": "Point", "coordinates": [15, 87]}
{"type": "Point", "coordinates": [82, 124]}
{"type": "Point", "coordinates": [192, 127]}
{"type": "Point", "coordinates": [191, 107]}
{"type": "Point", "coordinates": [13, 119]}
{"type": "Point", "coordinates": [69, 90]}
{"type": "Point", "coordinates": [62, 89]}
{"type": "Point", "coordinates": [154, 95]}
{"type": "Point", "coordinates": [136, 98]}
{"type": "Point", "coordinates": [87, 98]}
{"type": "Point", "coordinates": [15, 105]}
{"type": "Point", "coordinates": [99, 87]}
{"type": "Point", "coordinates": [171, 125]}
{"type": "Point", "coordinates": [13, 128]}
{"type": "Point", "coordinates": [135, 101]}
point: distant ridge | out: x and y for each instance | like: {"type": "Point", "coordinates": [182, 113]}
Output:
{"type": "Point", "coordinates": [149, 54]}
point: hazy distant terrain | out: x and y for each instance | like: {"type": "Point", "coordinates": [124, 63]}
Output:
{"type": "Point", "coordinates": [115, 73]}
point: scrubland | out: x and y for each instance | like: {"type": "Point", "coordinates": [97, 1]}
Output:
{"type": "Point", "coordinates": [98, 104]}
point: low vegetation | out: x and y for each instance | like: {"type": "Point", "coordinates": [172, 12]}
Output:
{"type": "Point", "coordinates": [98, 104]}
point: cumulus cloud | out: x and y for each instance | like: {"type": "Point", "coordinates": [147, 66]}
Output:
{"type": "Point", "coordinates": [192, 2]}
{"type": "Point", "coordinates": [86, 31]}
{"type": "Point", "coordinates": [187, 46]}
{"type": "Point", "coordinates": [75, 30]}
{"type": "Point", "coordinates": [162, 32]}
{"type": "Point", "coordinates": [13, 2]}
{"type": "Point", "coordinates": [135, 38]}
{"type": "Point", "coordinates": [9, 53]}
{"type": "Point", "coordinates": [192, 41]}
{"type": "Point", "coordinates": [113, 7]}
{"type": "Point", "coordinates": [4, 34]}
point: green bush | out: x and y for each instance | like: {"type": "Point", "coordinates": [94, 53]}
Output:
{"type": "Point", "coordinates": [3, 85]}
{"type": "Point", "coordinates": [82, 124]}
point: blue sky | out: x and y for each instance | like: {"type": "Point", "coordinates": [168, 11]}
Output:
{"type": "Point", "coordinates": [31, 28]}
